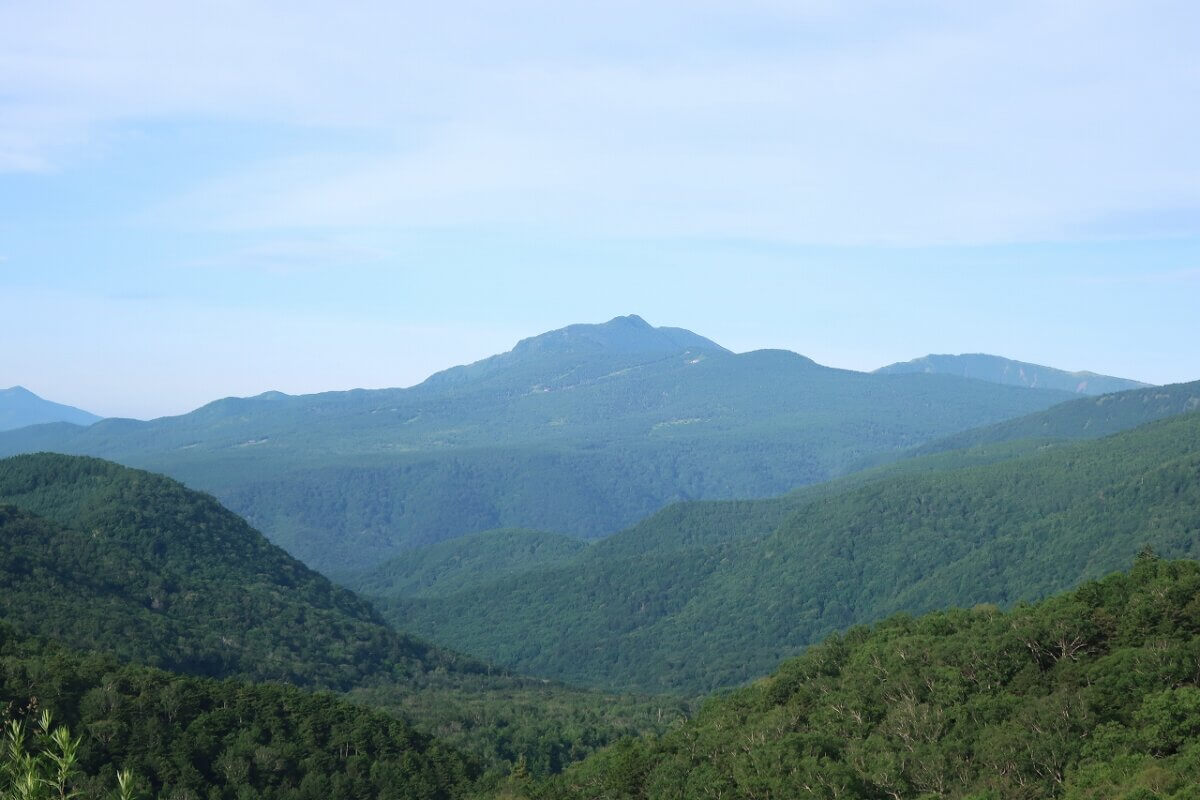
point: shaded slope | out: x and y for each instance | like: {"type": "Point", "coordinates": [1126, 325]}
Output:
{"type": "Point", "coordinates": [102, 556]}
{"type": "Point", "coordinates": [583, 431]}
{"type": "Point", "coordinates": [20, 407]}
{"type": "Point", "coordinates": [725, 607]}
{"type": "Point", "coordinates": [1087, 695]}
{"type": "Point", "coordinates": [1008, 372]}
{"type": "Point", "coordinates": [459, 563]}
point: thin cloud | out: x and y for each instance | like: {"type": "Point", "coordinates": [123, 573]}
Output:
{"type": "Point", "coordinates": [293, 256]}
{"type": "Point", "coordinates": [812, 122]}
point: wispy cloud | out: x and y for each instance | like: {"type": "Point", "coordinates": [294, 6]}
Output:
{"type": "Point", "coordinates": [811, 122]}
{"type": "Point", "coordinates": [293, 256]}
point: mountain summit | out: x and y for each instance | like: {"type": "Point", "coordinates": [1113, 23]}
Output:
{"type": "Point", "coordinates": [20, 407]}
{"type": "Point", "coordinates": [620, 342]}
{"type": "Point", "coordinates": [630, 335]}
{"type": "Point", "coordinates": [582, 431]}
{"type": "Point", "coordinates": [1006, 371]}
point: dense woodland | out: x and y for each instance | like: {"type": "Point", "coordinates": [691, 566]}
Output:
{"type": "Point", "coordinates": [1093, 694]}
{"type": "Point", "coordinates": [135, 565]}
{"type": "Point", "coordinates": [709, 595]}
{"type": "Point", "coordinates": [185, 737]}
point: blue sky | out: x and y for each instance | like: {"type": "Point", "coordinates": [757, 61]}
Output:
{"type": "Point", "coordinates": [225, 198]}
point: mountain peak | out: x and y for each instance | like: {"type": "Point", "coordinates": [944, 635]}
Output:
{"type": "Point", "coordinates": [627, 335]}
{"type": "Point", "coordinates": [20, 407]}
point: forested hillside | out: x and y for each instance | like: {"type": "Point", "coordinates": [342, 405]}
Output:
{"type": "Point", "coordinates": [709, 595]}
{"type": "Point", "coordinates": [582, 431]}
{"type": "Point", "coordinates": [1013, 373]}
{"type": "Point", "coordinates": [135, 565]}
{"type": "Point", "coordinates": [466, 561]}
{"type": "Point", "coordinates": [1085, 418]}
{"type": "Point", "coordinates": [1092, 694]}
{"type": "Point", "coordinates": [102, 556]}
{"type": "Point", "coordinates": [193, 737]}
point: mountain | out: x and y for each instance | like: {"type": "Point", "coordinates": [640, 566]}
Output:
{"type": "Point", "coordinates": [583, 431]}
{"type": "Point", "coordinates": [623, 338]}
{"type": "Point", "coordinates": [708, 595]}
{"type": "Point", "coordinates": [20, 407]}
{"type": "Point", "coordinates": [1085, 418]}
{"type": "Point", "coordinates": [1091, 694]}
{"type": "Point", "coordinates": [1012, 373]}
{"type": "Point", "coordinates": [100, 557]}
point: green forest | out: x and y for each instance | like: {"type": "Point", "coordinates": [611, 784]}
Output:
{"type": "Point", "coordinates": [1091, 694]}
{"type": "Point", "coordinates": [709, 595]}
{"type": "Point", "coordinates": [153, 643]}
{"type": "Point", "coordinates": [136, 566]}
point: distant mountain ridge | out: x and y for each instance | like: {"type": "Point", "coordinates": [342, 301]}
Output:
{"type": "Point", "coordinates": [583, 431]}
{"type": "Point", "coordinates": [20, 407]}
{"type": "Point", "coordinates": [1008, 372]}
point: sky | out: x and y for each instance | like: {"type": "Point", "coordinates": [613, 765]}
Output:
{"type": "Point", "coordinates": [222, 198]}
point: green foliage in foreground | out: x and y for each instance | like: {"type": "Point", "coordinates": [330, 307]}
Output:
{"type": "Point", "coordinates": [505, 722]}
{"type": "Point", "coordinates": [1094, 694]}
{"type": "Point", "coordinates": [43, 763]}
{"type": "Point", "coordinates": [711, 595]}
{"type": "Point", "coordinates": [199, 738]}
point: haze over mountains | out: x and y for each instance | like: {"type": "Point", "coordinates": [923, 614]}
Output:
{"type": "Point", "coordinates": [20, 407]}
{"type": "Point", "coordinates": [1012, 373]}
{"type": "Point", "coordinates": [583, 431]}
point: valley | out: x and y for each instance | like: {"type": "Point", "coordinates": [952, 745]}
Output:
{"type": "Point", "coordinates": [541, 661]}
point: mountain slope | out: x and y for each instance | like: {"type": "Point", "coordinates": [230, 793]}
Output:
{"type": "Point", "coordinates": [456, 564]}
{"type": "Point", "coordinates": [98, 556]}
{"type": "Point", "coordinates": [102, 556]}
{"type": "Point", "coordinates": [703, 607]}
{"type": "Point", "coordinates": [1012, 373]}
{"type": "Point", "coordinates": [20, 407]}
{"type": "Point", "coordinates": [1085, 418]}
{"type": "Point", "coordinates": [1092, 694]}
{"type": "Point", "coordinates": [582, 431]}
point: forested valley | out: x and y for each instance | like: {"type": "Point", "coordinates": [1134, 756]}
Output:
{"type": "Point", "coordinates": [991, 595]}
